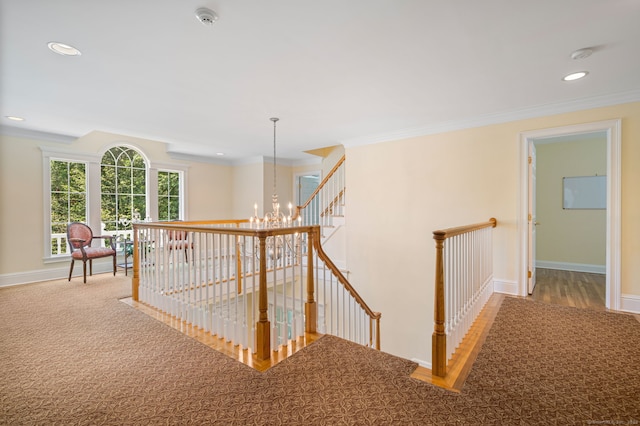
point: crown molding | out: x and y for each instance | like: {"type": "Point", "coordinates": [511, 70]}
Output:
{"type": "Point", "coordinates": [499, 117]}
{"type": "Point", "coordinates": [37, 135]}
{"type": "Point", "coordinates": [174, 155]}
{"type": "Point", "coordinates": [198, 158]}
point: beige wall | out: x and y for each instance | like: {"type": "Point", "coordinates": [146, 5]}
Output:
{"type": "Point", "coordinates": [401, 191]}
{"type": "Point", "coordinates": [210, 189]}
{"type": "Point", "coordinates": [248, 184]}
{"type": "Point", "coordinates": [284, 188]}
{"type": "Point", "coordinates": [569, 236]}
{"type": "Point", "coordinates": [21, 210]}
{"type": "Point", "coordinates": [333, 155]}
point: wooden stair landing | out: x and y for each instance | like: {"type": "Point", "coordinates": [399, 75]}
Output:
{"type": "Point", "coordinates": [221, 345]}
{"type": "Point", "coordinates": [459, 366]}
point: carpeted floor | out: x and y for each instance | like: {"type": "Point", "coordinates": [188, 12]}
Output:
{"type": "Point", "coordinates": [72, 353]}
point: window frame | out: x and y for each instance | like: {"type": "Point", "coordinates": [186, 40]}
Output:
{"type": "Point", "coordinates": [147, 174]}
{"type": "Point", "coordinates": [68, 193]}
{"type": "Point", "coordinates": [181, 174]}
{"type": "Point", "coordinates": [93, 176]}
{"type": "Point", "coordinates": [48, 155]}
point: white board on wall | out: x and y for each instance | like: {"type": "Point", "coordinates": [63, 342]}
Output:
{"type": "Point", "coordinates": [584, 192]}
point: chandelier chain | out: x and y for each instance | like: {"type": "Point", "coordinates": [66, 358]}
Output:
{"type": "Point", "coordinates": [274, 119]}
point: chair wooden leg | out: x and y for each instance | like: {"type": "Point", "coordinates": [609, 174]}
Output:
{"type": "Point", "coordinates": [84, 271]}
{"type": "Point", "coordinates": [90, 267]}
{"type": "Point", "coordinates": [71, 269]}
{"type": "Point", "coordinates": [114, 265]}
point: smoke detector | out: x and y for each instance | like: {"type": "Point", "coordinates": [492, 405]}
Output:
{"type": "Point", "coordinates": [581, 53]}
{"type": "Point", "coordinates": [206, 16]}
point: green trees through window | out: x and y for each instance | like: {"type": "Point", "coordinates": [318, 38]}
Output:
{"type": "Point", "coordinates": [123, 177]}
{"type": "Point", "coordinates": [68, 199]}
{"type": "Point", "coordinates": [168, 195]}
{"type": "Point", "coordinates": [123, 187]}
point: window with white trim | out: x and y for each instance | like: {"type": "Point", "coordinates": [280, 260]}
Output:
{"type": "Point", "coordinates": [169, 195]}
{"type": "Point", "coordinates": [105, 192]}
{"type": "Point", "coordinates": [123, 173]}
{"type": "Point", "coordinates": [67, 200]}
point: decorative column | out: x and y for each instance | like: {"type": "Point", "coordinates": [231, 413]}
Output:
{"type": "Point", "coordinates": [311, 307]}
{"type": "Point", "coordinates": [263, 327]}
{"type": "Point", "coordinates": [439, 338]}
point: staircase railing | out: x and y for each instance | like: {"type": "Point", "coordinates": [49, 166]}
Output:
{"type": "Point", "coordinates": [343, 312]}
{"type": "Point", "coordinates": [327, 200]}
{"type": "Point", "coordinates": [258, 288]}
{"type": "Point", "coordinates": [464, 277]}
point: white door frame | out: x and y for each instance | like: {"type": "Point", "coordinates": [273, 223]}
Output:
{"type": "Point", "coordinates": [612, 129]}
{"type": "Point", "coordinates": [297, 175]}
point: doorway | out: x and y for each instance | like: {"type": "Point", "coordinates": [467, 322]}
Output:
{"type": "Point", "coordinates": [527, 220]}
{"type": "Point", "coordinates": [305, 185]}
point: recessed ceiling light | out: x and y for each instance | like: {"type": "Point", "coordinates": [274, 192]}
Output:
{"type": "Point", "coordinates": [575, 76]}
{"type": "Point", "coordinates": [14, 118]}
{"type": "Point", "coordinates": [63, 49]}
{"type": "Point", "coordinates": [220, 153]}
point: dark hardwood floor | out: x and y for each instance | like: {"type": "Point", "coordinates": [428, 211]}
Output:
{"type": "Point", "coordinates": [569, 288]}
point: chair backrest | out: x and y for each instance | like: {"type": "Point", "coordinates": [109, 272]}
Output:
{"type": "Point", "coordinates": [177, 235]}
{"type": "Point", "coordinates": [79, 230]}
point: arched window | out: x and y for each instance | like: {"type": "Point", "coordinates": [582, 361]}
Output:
{"type": "Point", "coordinates": [123, 187]}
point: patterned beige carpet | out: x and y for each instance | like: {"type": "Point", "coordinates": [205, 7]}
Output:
{"type": "Point", "coordinates": [72, 353]}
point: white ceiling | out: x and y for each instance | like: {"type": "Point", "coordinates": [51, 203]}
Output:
{"type": "Point", "coordinates": [333, 71]}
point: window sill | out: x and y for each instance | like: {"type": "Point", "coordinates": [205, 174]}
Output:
{"type": "Point", "coordinates": [56, 259]}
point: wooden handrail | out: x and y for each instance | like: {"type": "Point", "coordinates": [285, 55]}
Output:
{"type": "Point", "coordinates": [341, 278]}
{"type": "Point", "coordinates": [263, 348]}
{"type": "Point", "coordinates": [452, 232]}
{"type": "Point", "coordinates": [329, 209]}
{"type": "Point", "coordinates": [439, 337]}
{"type": "Point", "coordinates": [320, 186]}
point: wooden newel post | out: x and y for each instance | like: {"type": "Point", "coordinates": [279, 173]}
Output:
{"type": "Point", "coordinates": [310, 307]}
{"type": "Point", "coordinates": [263, 327]}
{"type": "Point", "coordinates": [439, 338]}
{"type": "Point", "coordinates": [135, 282]}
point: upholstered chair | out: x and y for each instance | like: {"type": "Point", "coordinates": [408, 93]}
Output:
{"type": "Point", "coordinates": [179, 240]}
{"type": "Point", "coordinates": [79, 237]}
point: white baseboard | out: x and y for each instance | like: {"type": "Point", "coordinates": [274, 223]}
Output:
{"type": "Point", "coordinates": [506, 287]}
{"type": "Point", "coordinates": [566, 266]}
{"type": "Point", "coordinates": [630, 303]}
{"type": "Point", "coordinates": [422, 363]}
{"type": "Point", "coordinates": [28, 277]}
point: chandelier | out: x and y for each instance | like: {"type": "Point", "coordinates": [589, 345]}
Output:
{"type": "Point", "coordinates": [275, 218]}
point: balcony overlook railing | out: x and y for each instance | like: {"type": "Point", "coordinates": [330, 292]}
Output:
{"type": "Point", "coordinates": [258, 288]}
{"type": "Point", "coordinates": [464, 278]}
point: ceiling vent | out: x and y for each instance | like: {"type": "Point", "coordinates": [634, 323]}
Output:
{"type": "Point", "coordinates": [206, 16]}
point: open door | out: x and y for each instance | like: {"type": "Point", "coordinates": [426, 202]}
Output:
{"type": "Point", "coordinates": [526, 223]}
{"type": "Point", "coordinates": [532, 218]}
